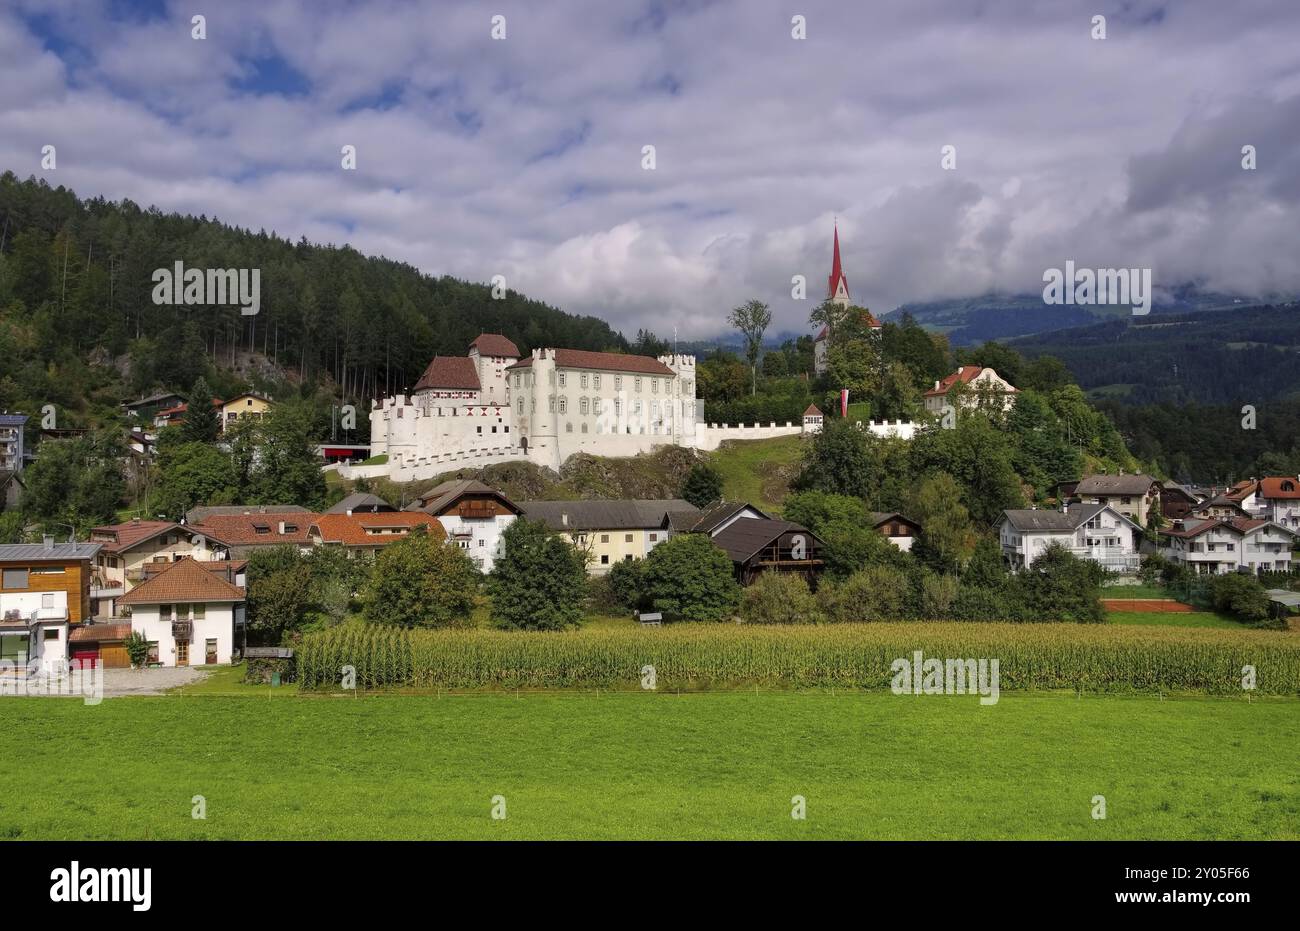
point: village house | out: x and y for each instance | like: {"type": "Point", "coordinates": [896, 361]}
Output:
{"type": "Point", "coordinates": [763, 544]}
{"type": "Point", "coordinates": [897, 529]}
{"type": "Point", "coordinates": [474, 516]}
{"type": "Point", "coordinates": [44, 592]}
{"type": "Point", "coordinates": [1098, 532]}
{"type": "Point", "coordinates": [1134, 495]}
{"type": "Point", "coordinates": [974, 384]}
{"type": "Point", "coordinates": [367, 533]}
{"type": "Point", "coordinates": [1177, 501]}
{"type": "Point", "coordinates": [243, 534]}
{"type": "Point", "coordinates": [1280, 500]}
{"type": "Point", "coordinates": [126, 549]}
{"type": "Point", "coordinates": [248, 406]}
{"type": "Point", "coordinates": [1214, 546]}
{"type": "Point", "coordinates": [611, 532]}
{"type": "Point", "coordinates": [187, 614]}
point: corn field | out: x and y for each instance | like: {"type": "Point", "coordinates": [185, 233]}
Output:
{"type": "Point", "coordinates": [1092, 658]}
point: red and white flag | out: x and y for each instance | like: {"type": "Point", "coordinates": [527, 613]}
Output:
{"type": "Point", "coordinates": [844, 402]}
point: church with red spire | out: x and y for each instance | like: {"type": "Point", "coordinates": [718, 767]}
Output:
{"type": "Point", "coordinates": [837, 291]}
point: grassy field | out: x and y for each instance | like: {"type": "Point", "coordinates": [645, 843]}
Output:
{"type": "Point", "coordinates": [649, 765]}
{"type": "Point", "coordinates": [759, 471]}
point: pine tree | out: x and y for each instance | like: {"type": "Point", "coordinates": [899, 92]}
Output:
{"type": "Point", "coordinates": [202, 423]}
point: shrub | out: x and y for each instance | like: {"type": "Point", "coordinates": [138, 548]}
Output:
{"type": "Point", "coordinates": [137, 649]}
{"type": "Point", "coordinates": [627, 583]}
{"type": "Point", "coordinates": [938, 597]}
{"type": "Point", "coordinates": [877, 593]}
{"type": "Point", "coordinates": [703, 485]}
{"type": "Point", "coordinates": [779, 598]}
{"type": "Point", "coordinates": [1240, 596]}
{"type": "Point", "coordinates": [691, 578]}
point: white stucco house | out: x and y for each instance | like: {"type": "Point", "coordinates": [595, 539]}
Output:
{"type": "Point", "coordinates": [974, 384]}
{"type": "Point", "coordinates": [1092, 531]}
{"type": "Point", "coordinates": [473, 515]}
{"type": "Point", "coordinates": [1214, 546]}
{"type": "Point", "coordinates": [188, 614]}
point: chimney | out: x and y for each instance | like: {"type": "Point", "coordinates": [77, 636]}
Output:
{"type": "Point", "coordinates": [48, 542]}
{"type": "Point", "coordinates": [135, 520]}
{"type": "Point", "coordinates": [936, 386]}
{"type": "Point", "coordinates": [281, 527]}
{"type": "Point", "coordinates": [564, 519]}
{"type": "Point", "coordinates": [348, 512]}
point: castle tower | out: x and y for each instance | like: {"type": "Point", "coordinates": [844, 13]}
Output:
{"type": "Point", "coordinates": [543, 420]}
{"type": "Point", "coordinates": [683, 398]}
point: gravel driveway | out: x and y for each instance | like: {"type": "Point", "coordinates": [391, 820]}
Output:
{"type": "Point", "coordinates": [119, 682]}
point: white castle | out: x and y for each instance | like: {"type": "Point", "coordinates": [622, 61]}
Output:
{"type": "Point", "coordinates": [494, 405]}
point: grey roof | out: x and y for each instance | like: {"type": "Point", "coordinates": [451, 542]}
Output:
{"type": "Point", "coordinates": [37, 552]}
{"type": "Point", "coordinates": [197, 515]}
{"type": "Point", "coordinates": [154, 399]}
{"type": "Point", "coordinates": [1044, 520]}
{"type": "Point", "coordinates": [744, 538]}
{"type": "Point", "coordinates": [444, 493]}
{"type": "Point", "coordinates": [879, 517]}
{"type": "Point", "coordinates": [1138, 484]}
{"type": "Point", "coordinates": [361, 501]}
{"type": "Point", "coordinates": [720, 513]}
{"type": "Point", "coordinates": [1284, 597]}
{"type": "Point", "coordinates": [12, 420]}
{"type": "Point", "coordinates": [622, 514]}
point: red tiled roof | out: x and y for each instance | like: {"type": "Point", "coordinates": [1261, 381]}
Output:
{"type": "Point", "coordinates": [241, 529]}
{"type": "Point", "coordinates": [813, 411]}
{"type": "Point", "coordinates": [965, 374]}
{"type": "Point", "coordinates": [95, 633]}
{"type": "Point", "coordinates": [494, 344]}
{"type": "Point", "coordinates": [455, 372]}
{"type": "Point", "coordinates": [183, 581]}
{"type": "Point", "coordinates": [1279, 487]}
{"type": "Point", "coordinates": [353, 529]}
{"type": "Point", "coordinates": [605, 361]}
{"type": "Point", "coordinates": [130, 533]}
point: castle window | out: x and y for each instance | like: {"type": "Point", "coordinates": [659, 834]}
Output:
{"type": "Point", "coordinates": [584, 428]}
{"type": "Point", "coordinates": [618, 382]}
{"type": "Point", "coordinates": [636, 407]}
{"type": "Point", "coordinates": [582, 404]}
{"type": "Point", "coordinates": [595, 382]}
{"type": "Point", "coordinates": [638, 383]}
{"type": "Point", "coordinates": [654, 386]}
{"type": "Point", "coordinates": [479, 429]}
{"type": "Point", "coordinates": [564, 406]}
{"type": "Point", "coordinates": [568, 428]}
{"type": "Point", "coordinates": [562, 379]}
{"type": "Point", "coordinates": [551, 403]}
{"type": "Point", "coordinates": [521, 405]}
{"type": "Point", "coordinates": [518, 379]}
{"type": "Point", "coordinates": [618, 406]}
{"type": "Point", "coordinates": [584, 379]}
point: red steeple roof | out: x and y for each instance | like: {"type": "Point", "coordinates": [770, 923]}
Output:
{"type": "Point", "coordinates": [837, 272]}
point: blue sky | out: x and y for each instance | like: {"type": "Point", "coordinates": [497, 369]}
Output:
{"type": "Point", "coordinates": [523, 156]}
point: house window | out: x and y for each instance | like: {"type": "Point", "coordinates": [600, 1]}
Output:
{"type": "Point", "coordinates": [15, 578]}
{"type": "Point", "coordinates": [152, 658]}
{"type": "Point", "coordinates": [47, 600]}
{"type": "Point", "coordinates": [654, 537]}
{"type": "Point", "coordinates": [604, 538]}
{"type": "Point", "coordinates": [210, 651]}
{"type": "Point", "coordinates": [604, 559]}
{"type": "Point", "coordinates": [627, 538]}
{"type": "Point", "coordinates": [51, 633]}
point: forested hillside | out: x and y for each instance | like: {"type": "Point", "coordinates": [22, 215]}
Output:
{"type": "Point", "coordinates": [79, 328]}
